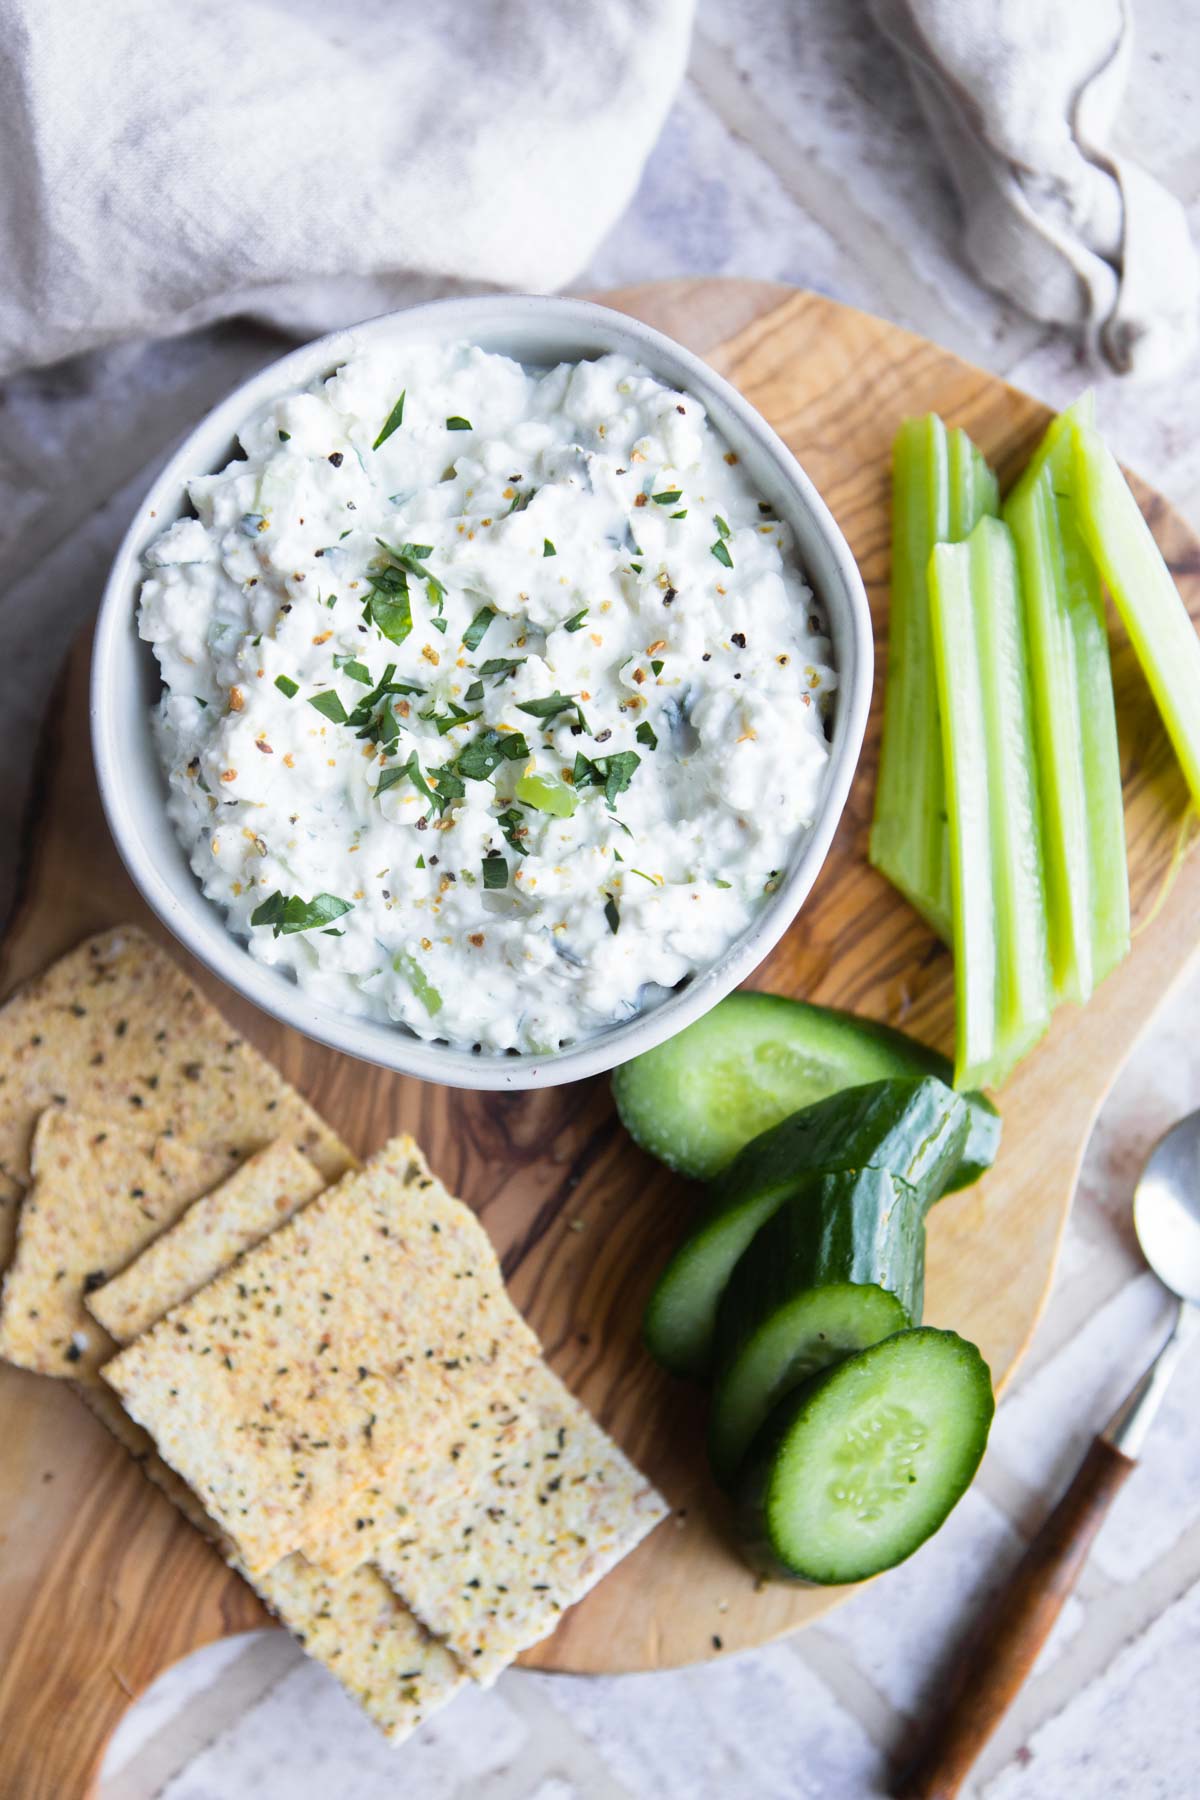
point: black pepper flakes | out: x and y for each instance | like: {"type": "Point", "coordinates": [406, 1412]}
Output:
{"type": "Point", "coordinates": [335, 457]}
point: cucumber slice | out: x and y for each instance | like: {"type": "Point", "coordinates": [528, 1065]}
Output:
{"type": "Point", "coordinates": [915, 1129]}
{"type": "Point", "coordinates": [829, 1273]}
{"type": "Point", "coordinates": [698, 1099]}
{"type": "Point", "coordinates": [852, 1474]}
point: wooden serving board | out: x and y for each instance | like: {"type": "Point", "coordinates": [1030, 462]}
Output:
{"type": "Point", "coordinates": [102, 1585]}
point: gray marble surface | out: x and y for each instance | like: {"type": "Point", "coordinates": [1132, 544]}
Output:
{"type": "Point", "coordinates": [795, 151]}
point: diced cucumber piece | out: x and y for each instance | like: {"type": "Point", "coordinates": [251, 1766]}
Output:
{"type": "Point", "coordinates": [1074, 723]}
{"type": "Point", "coordinates": [830, 1272]}
{"type": "Point", "coordinates": [1160, 630]}
{"type": "Point", "coordinates": [696, 1100]}
{"type": "Point", "coordinates": [1001, 962]}
{"type": "Point", "coordinates": [914, 1129]}
{"type": "Point", "coordinates": [855, 1471]}
{"type": "Point", "coordinates": [941, 488]}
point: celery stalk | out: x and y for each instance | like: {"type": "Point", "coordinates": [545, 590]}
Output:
{"type": "Point", "coordinates": [941, 486]}
{"type": "Point", "coordinates": [1074, 723]}
{"type": "Point", "coordinates": [1146, 597]}
{"type": "Point", "coordinates": [1001, 964]}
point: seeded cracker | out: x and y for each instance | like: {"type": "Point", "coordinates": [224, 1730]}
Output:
{"type": "Point", "coordinates": [339, 1352]}
{"type": "Point", "coordinates": [207, 1238]}
{"type": "Point", "coordinates": [99, 1195]}
{"type": "Point", "coordinates": [115, 1029]}
{"type": "Point", "coordinates": [357, 1626]}
{"type": "Point", "coordinates": [554, 1506]}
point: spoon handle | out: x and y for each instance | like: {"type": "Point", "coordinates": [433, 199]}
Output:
{"type": "Point", "coordinates": [1010, 1634]}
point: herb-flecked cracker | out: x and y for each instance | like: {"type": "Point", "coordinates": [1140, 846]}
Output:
{"type": "Point", "coordinates": [555, 1506]}
{"type": "Point", "coordinates": [340, 1351]}
{"type": "Point", "coordinates": [357, 1626]}
{"type": "Point", "coordinates": [208, 1237]}
{"type": "Point", "coordinates": [99, 1195]}
{"type": "Point", "coordinates": [116, 1029]}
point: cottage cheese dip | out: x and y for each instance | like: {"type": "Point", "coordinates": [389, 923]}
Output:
{"type": "Point", "coordinates": [494, 697]}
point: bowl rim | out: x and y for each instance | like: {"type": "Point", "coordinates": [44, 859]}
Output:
{"type": "Point", "coordinates": [382, 1043]}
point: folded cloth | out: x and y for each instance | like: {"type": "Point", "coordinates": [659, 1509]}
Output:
{"type": "Point", "coordinates": [1022, 99]}
{"type": "Point", "coordinates": [165, 162]}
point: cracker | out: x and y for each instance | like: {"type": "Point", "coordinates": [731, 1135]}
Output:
{"type": "Point", "coordinates": [358, 1627]}
{"type": "Point", "coordinates": [99, 1195]}
{"type": "Point", "coordinates": [116, 1029]}
{"type": "Point", "coordinates": [208, 1237]}
{"type": "Point", "coordinates": [553, 1507]}
{"type": "Point", "coordinates": [339, 1352]}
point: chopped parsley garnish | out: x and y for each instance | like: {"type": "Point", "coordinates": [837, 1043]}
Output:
{"type": "Point", "coordinates": [285, 437]}
{"type": "Point", "coordinates": [720, 524]}
{"type": "Point", "coordinates": [547, 708]}
{"type": "Point", "coordinates": [474, 693]}
{"type": "Point", "coordinates": [521, 501]}
{"type": "Point", "coordinates": [356, 670]}
{"type": "Point", "coordinates": [455, 423]}
{"type": "Point", "coordinates": [392, 423]}
{"type": "Point", "coordinates": [407, 771]}
{"type": "Point", "coordinates": [408, 966]}
{"type": "Point", "coordinates": [645, 735]}
{"type": "Point", "coordinates": [669, 498]}
{"type": "Point", "coordinates": [373, 717]}
{"type": "Point", "coordinates": [501, 665]}
{"type": "Point", "coordinates": [473, 635]}
{"type": "Point", "coordinates": [448, 720]}
{"type": "Point", "coordinates": [717, 882]}
{"type": "Point", "coordinates": [420, 862]}
{"type": "Point", "coordinates": [576, 624]}
{"type": "Point", "coordinates": [513, 826]}
{"type": "Point", "coordinates": [681, 514]}
{"type": "Point", "coordinates": [548, 548]}
{"type": "Point", "coordinates": [657, 665]}
{"type": "Point", "coordinates": [287, 686]}
{"type": "Point", "coordinates": [388, 606]}
{"type": "Point", "coordinates": [410, 557]}
{"type": "Point", "coordinates": [329, 705]}
{"type": "Point", "coordinates": [611, 773]}
{"type": "Point", "coordinates": [495, 870]}
{"type": "Point", "coordinates": [439, 624]}
{"type": "Point", "coordinates": [288, 913]}
{"type": "Point", "coordinates": [485, 753]}
{"type": "Point", "coordinates": [612, 915]}
{"type": "Point", "coordinates": [721, 553]}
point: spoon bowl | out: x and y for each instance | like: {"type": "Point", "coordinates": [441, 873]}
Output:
{"type": "Point", "coordinates": [1166, 1209]}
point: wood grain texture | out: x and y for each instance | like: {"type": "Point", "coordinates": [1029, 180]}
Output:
{"type": "Point", "coordinates": [583, 1220]}
{"type": "Point", "coordinates": [1008, 1638]}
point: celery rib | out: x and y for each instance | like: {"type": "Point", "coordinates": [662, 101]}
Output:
{"type": "Point", "coordinates": [1145, 594]}
{"type": "Point", "coordinates": [1074, 723]}
{"type": "Point", "coordinates": [1001, 965]}
{"type": "Point", "coordinates": [941, 487]}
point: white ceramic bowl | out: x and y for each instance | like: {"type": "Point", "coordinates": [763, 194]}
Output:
{"type": "Point", "coordinates": [125, 684]}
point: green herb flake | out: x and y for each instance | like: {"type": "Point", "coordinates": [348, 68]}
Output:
{"type": "Point", "coordinates": [657, 665]}
{"type": "Point", "coordinates": [548, 707]}
{"type": "Point", "coordinates": [612, 914]}
{"type": "Point", "coordinates": [681, 514]}
{"type": "Point", "coordinates": [721, 553]}
{"type": "Point", "coordinates": [495, 870]}
{"type": "Point", "coordinates": [717, 882]}
{"type": "Point", "coordinates": [392, 423]}
{"type": "Point", "coordinates": [669, 498]}
{"type": "Point", "coordinates": [474, 693]}
{"type": "Point", "coordinates": [513, 826]}
{"type": "Point", "coordinates": [576, 624]}
{"type": "Point", "coordinates": [285, 437]}
{"type": "Point", "coordinates": [286, 914]}
{"type": "Point", "coordinates": [357, 671]}
{"type": "Point", "coordinates": [287, 686]}
{"type": "Point", "coordinates": [473, 635]}
{"type": "Point", "coordinates": [408, 966]}
{"type": "Point", "coordinates": [456, 423]}
{"type": "Point", "coordinates": [720, 524]}
{"type": "Point", "coordinates": [548, 548]}
{"type": "Point", "coordinates": [612, 774]}
{"type": "Point", "coordinates": [329, 705]}
{"type": "Point", "coordinates": [645, 735]}
{"type": "Point", "coordinates": [501, 665]}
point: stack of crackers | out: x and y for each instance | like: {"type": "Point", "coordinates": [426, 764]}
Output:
{"type": "Point", "coordinates": [318, 1363]}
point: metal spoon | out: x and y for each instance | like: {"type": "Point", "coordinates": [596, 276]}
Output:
{"type": "Point", "coordinates": [1166, 1217]}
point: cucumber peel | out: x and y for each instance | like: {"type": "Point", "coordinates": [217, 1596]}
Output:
{"type": "Point", "coordinates": [855, 1471]}
{"type": "Point", "coordinates": [830, 1272]}
{"type": "Point", "coordinates": [914, 1129]}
